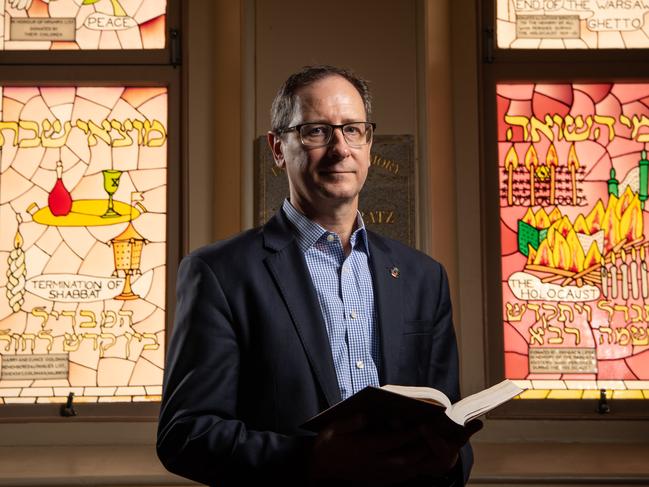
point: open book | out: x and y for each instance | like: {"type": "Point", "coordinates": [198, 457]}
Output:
{"type": "Point", "coordinates": [410, 403]}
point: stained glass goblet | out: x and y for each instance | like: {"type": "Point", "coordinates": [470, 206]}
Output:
{"type": "Point", "coordinates": [111, 183]}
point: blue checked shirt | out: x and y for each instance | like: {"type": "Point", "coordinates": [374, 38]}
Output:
{"type": "Point", "coordinates": [346, 296]}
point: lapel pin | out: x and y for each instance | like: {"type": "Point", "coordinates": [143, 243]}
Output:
{"type": "Point", "coordinates": [394, 272]}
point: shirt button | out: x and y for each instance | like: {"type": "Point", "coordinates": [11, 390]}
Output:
{"type": "Point", "coordinates": [359, 364]}
{"type": "Point", "coordinates": [330, 238]}
{"type": "Point", "coordinates": [353, 315]}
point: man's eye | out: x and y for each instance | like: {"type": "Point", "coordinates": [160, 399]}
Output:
{"type": "Point", "coordinates": [352, 130]}
{"type": "Point", "coordinates": [315, 131]}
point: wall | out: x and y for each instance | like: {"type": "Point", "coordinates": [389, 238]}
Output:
{"type": "Point", "coordinates": [376, 38]}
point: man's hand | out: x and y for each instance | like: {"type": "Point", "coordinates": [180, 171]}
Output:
{"type": "Point", "coordinates": [349, 451]}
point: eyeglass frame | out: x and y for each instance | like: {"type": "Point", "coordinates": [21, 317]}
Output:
{"type": "Point", "coordinates": [297, 128]}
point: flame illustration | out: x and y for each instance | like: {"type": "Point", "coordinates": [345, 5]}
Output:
{"type": "Point", "coordinates": [529, 218]}
{"type": "Point", "coordinates": [551, 158]}
{"type": "Point", "coordinates": [18, 240]}
{"type": "Point", "coordinates": [550, 236]}
{"type": "Point", "coordinates": [540, 219]}
{"type": "Point", "coordinates": [576, 252]}
{"type": "Point", "coordinates": [595, 217]}
{"type": "Point", "coordinates": [630, 228]}
{"type": "Point", "coordinates": [621, 222]}
{"type": "Point", "coordinates": [623, 203]}
{"type": "Point", "coordinates": [531, 158]}
{"type": "Point", "coordinates": [561, 253]}
{"type": "Point", "coordinates": [544, 255]}
{"type": "Point", "coordinates": [573, 161]}
{"type": "Point", "coordinates": [581, 225]}
{"type": "Point", "coordinates": [555, 215]}
{"type": "Point", "coordinates": [564, 226]}
{"type": "Point", "coordinates": [593, 256]}
{"type": "Point", "coordinates": [610, 225]}
{"type": "Point", "coordinates": [511, 159]}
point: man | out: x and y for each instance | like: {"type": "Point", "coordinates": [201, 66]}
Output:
{"type": "Point", "coordinates": [279, 323]}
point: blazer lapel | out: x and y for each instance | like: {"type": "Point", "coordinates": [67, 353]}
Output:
{"type": "Point", "coordinates": [388, 297]}
{"type": "Point", "coordinates": [289, 270]}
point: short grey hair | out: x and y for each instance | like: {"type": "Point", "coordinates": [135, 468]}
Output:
{"type": "Point", "coordinates": [283, 107]}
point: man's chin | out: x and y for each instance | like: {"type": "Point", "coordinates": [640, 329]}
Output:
{"type": "Point", "coordinates": [338, 195]}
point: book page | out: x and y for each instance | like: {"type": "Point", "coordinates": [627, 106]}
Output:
{"type": "Point", "coordinates": [473, 406]}
{"type": "Point", "coordinates": [423, 393]}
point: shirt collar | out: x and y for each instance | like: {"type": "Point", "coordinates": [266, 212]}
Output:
{"type": "Point", "coordinates": [308, 232]}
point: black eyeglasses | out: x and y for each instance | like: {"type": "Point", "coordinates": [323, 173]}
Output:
{"type": "Point", "coordinates": [356, 134]}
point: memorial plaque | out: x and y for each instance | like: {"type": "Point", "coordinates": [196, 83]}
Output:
{"type": "Point", "coordinates": [42, 29]}
{"type": "Point", "coordinates": [387, 201]}
{"type": "Point", "coordinates": [547, 26]}
{"type": "Point", "coordinates": [563, 361]}
{"type": "Point", "coordinates": [34, 366]}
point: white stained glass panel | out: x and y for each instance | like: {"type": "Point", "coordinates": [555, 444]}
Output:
{"type": "Point", "coordinates": [82, 24]}
{"type": "Point", "coordinates": [572, 24]}
{"type": "Point", "coordinates": [83, 209]}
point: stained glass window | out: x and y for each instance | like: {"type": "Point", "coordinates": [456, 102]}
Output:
{"type": "Point", "coordinates": [82, 24]}
{"type": "Point", "coordinates": [572, 24]}
{"type": "Point", "coordinates": [83, 195]}
{"type": "Point", "coordinates": [573, 180]}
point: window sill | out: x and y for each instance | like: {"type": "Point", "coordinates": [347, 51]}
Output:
{"type": "Point", "coordinates": [552, 463]}
{"type": "Point", "coordinates": [116, 465]}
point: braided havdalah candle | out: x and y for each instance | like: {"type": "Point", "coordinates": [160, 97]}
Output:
{"type": "Point", "coordinates": [16, 272]}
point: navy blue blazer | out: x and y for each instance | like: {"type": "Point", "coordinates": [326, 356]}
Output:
{"type": "Point", "coordinates": [249, 357]}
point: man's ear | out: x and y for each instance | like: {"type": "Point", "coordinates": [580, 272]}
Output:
{"type": "Point", "coordinates": [275, 143]}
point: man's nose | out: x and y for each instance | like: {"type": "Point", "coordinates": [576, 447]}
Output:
{"type": "Point", "coordinates": [338, 144]}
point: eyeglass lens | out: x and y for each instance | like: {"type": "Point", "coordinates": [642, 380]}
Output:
{"type": "Point", "coordinates": [318, 134]}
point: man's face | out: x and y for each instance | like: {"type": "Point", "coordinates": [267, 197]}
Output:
{"type": "Point", "coordinates": [323, 177]}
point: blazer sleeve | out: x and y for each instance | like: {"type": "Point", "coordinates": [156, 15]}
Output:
{"type": "Point", "coordinates": [199, 434]}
